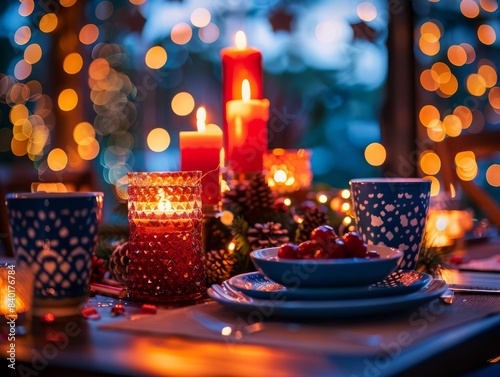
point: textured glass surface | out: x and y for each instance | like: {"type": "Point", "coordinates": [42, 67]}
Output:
{"type": "Point", "coordinates": [166, 256]}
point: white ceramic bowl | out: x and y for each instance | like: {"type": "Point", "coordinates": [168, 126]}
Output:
{"type": "Point", "coordinates": [321, 273]}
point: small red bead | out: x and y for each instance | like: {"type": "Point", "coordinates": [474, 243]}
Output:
{"type": "Point", "coordinates": [90, 313]}
{"type": "Point", "coordinates": [48, 318]}
{"type": "Point", "coordinates": [148, 309]}
{"type": "Point", "coordinates": [117, 309]}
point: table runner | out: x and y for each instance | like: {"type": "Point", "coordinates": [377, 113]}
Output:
{"type": "Point", "coordinates": [396, 331]}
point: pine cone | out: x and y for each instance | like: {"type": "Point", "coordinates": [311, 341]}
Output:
{"type": "Point", "coordinates": [235, 199]}
{"type": "Point", "coordinates": [313, 218]}
{"type": "Point", "coordinates": [260, 200]}
{"type": "Point", "coordinates": [118, 263]}
{"type": "Point", "coordinates": [219, 265]}
{"type": "Point", "coordinates": [270, 234]}
{"type": "Point", "coordinates": [216, 235]}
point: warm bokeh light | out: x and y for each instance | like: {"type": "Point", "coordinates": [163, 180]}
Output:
{"type": "Point", "coordinates": [183, 104]}
{"type": "Point", "coordinates": [436, 132]}
{"type": "Point", "coordinates": [466, 166]}
{"type": "Point", "coordinates": [158, 139]}
{"type": "Point", "coordinates": [476, 84]}
{"type": "Point", "coordinates": [427, 81]}
{"type": "Point", "coordinates": [22, 35]}
{"type": "Point", "coordinates": [431, 27]}
{"type": "Point", "coordinates": [48, 22]}
{"type": "Point", "coordinates": [67, 3]}
{"type": "Point", "coordinates": [99, 69]}
{"type": "Point", "coordinates": [452, 125]}
{"type": "Point", "coordinates": [471, 53]}
{"type": "Point", "coordinates": [345, 194]}
{"type": "Point", "coordinates": [493, 175]}
{"type": "Point", "coordinates": [448, 88]}
{"type": "Point", "coordinates": [67, 100]}
{"type": "Point", "coordinates": [428, 48]}
{"type": "Point", "coordinates": [57, 159]}
{"type": "Point", "coordinates": [430, 163]}
{"type": "Point", "coordinates": [18, 114]}
{"type": "Point", "coordinates": [489, 74]}
{"type": "Point", "coordinates": [441, 73]}
{"type": "Point", "coordinates": [200, 17]}
{"type": "Point", "coordinates": [22, 69]}
{"type": "Point", "coordinates": [156, 57]}
{"type": "Point", "coordinates": [375, 154]}
{"type": "Point", "coordinates": [457, 55]}
{"type": "Point", "coordinates": [33, 53]}
{"type": "Point", "coordinates": [486, 34]}
{"type": "Point", "coordinates": [73, 63]}
{"type": "Point", "coordinates": [88, 34]}
{"type": "Point", "coordinates": [469, 8]}
{"type": "Point", "coordinates": [435, 185]}
{"type": "Point", "coordinates": [137, 2]}
{"type": "Point", "coordinates": [83, 132]}
{"type": "Point", "coordinates": [366, 11]}
{"type": "Point", "coordinates": [89, 150]}
{"type": "Point", "coordinates": [26, 8]}
{"type": "Point", "coordinates": [465, 116]}
{"type": "Point", "coordinates": [181, 33]}
{"type": "Point", "coordinates": [489, 5]}
{"type": "Point", "coordinates": [494, 97]}
{"type": "Point", "coordinates": [429, 115]}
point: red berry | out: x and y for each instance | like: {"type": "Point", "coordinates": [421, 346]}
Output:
{"type": "Point", "coordinates": [288, 251]}
{"type": "Point", "coordinates": [371, 254]}
{"type": "Point", "coordinates": [323, 234]}
{"type": "Point", "coordinates": [337, 250]}
{"type": "Point", "coordinates": [354, 245]}
{"type": "Point", "coordinates": [322, 254]}
{"type": "Point", "coordinates": [307, 249]}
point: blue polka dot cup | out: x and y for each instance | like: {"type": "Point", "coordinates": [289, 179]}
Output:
{"type": "Point", "coordinates": [392, 212]}
{"type": "Point", "coordinates": [55, 235]}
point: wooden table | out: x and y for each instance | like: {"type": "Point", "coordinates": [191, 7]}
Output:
{"type": "Point", "coordinates": [77, 347]}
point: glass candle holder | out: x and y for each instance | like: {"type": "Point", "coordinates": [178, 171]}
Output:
{"type": "Point", "coordinates": [16, 293]}
{"type": "Point", "coordinates": [165, 243]}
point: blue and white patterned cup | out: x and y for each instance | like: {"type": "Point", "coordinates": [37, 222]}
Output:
{"type": "Point", "coordinates": [55, 235]}
{"type": "Point", "coordinates": [392, 212]}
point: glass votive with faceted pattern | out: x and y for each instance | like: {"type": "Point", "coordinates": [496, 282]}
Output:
{"type": "Point", "coordinates": [165, 243]}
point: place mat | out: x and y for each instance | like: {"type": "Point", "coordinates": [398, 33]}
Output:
{"type": "Point", "coordinates": [403, 329]}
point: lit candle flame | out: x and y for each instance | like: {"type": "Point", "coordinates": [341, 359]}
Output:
{"type": "Point", "coordinates": [201, 117]}
{"type": "Point", "coordinates": [245, 90]}
{"type": "Point", "coordinates": [164, 205]}
{"type": "Point", "coordinates": [240, 40]}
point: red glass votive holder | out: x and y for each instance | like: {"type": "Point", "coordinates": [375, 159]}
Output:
{"type": "Point", "coordinates": [165, 244]}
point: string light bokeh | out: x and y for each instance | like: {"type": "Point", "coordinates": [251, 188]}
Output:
{"type": "Point", "coordinates": [134, 71]}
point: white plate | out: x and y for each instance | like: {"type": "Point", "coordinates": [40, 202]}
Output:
{"type": "Point", "coordinates": [256, 285]}
{"type": "Point", "coordinates": [326, 308]}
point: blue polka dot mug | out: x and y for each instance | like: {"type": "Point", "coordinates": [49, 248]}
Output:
{"type": "Point", "coordinates": [392, 212]}
{"type": "Point", "coordinates": [55, 235]}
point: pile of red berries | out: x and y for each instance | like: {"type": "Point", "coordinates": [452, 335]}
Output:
{"type": "Point", "coordinates": [324, 243]}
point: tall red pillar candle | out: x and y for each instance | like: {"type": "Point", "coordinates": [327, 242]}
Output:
{"type": "Point", "coordinates": [238, 63]}
{"type": "Point", "coordinates": [201, 150]}
{"type": "Point", "coordinates": [247, 132]}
